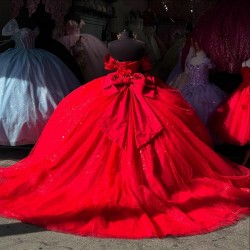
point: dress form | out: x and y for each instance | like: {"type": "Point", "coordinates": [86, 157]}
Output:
{"type": "Point", "coordinates": [23, 19]}
{"type": "Point", "coordinates": [126, 48]}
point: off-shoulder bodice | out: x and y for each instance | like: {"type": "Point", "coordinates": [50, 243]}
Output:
{"type": "Point", "coordinates": [127, 67]}
{"type": "Point", "coordinates": [24, 37]}
{"type": "Point", "coordinates": [199, 73]}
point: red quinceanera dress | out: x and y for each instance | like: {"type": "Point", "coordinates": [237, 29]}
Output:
{"type": "Point", "coordinates": [232, 120]}
{"type": "Point", "coordinates": [125, 156]}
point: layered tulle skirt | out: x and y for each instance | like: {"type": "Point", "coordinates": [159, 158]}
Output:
{"type": "Point", "coordinates": [93, 172]}
{"type": "Point", "coordinates": [231, 120]}
{"type": "Point", "coordinates": [204, 98]}
{"type": "Point", "coordinates": [32, 83]}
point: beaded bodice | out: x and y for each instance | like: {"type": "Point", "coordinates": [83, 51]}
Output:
{"type": "Point", "coordinates": [199, 73]}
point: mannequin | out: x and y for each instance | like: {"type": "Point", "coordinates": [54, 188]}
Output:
{"type": "Point", "coordinates": [44, 21]}
{"type": "Point", "coordinates": [23, 19]}
{"type": "Point", "coordinates": [125, 48]}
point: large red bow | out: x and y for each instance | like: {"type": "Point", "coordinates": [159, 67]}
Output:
{"type": "Point", "coordinates": [129, 116]}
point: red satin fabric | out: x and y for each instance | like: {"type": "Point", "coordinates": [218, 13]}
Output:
{"type": "Point", "coordinates": [165, 180]}
{"type": "Point", "coordinates": [232, 120]}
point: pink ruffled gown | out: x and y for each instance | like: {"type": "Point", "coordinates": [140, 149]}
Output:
{"type": "Point", "coordinates": [87, 49]}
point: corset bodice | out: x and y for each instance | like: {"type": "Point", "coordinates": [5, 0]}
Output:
{"type": "Point", "coordinates": [25, 38]}
{"type": "Point", "coordinates": [199, 73]}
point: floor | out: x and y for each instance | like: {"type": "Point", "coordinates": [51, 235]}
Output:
{"type": "Point", "coordinates": [10, 155]}
{"type": "Point", "coordinates": [15, 235]}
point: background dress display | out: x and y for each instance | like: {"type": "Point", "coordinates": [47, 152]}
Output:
{"type": "Point", "coordinates": [201, 94]}
{"type": "Point", "coordinates": [32, 83]}
{"type": "Point", "coordinates": [231, 121]}
{"type": "Point", "coordinates": [125, 160]}
{"type": "Point", "coordinates": [87, 49]}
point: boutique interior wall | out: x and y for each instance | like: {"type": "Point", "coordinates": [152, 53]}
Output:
{"type": "Point", "coordinates": [122, 9]}
{"type": "Point", "coordinates": [4, 12]}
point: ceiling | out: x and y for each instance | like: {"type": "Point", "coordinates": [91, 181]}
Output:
{"type": "Point", "coordinates": [172, 10]}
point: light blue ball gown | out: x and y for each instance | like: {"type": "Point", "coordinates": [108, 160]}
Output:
{"type": "Point", "coordinates": [32, 83]}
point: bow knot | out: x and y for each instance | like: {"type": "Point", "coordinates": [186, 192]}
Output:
{"type": "Point", "coordinates": [141, 85]}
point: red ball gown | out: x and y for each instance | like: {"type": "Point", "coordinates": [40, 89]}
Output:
{"type": "Point", "coordinates": [231, 121]}
{"type": "Point", "coordinates": [125, 156]}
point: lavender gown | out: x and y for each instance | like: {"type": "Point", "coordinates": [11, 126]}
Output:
{"type": "Point", "coordinates": [201, 94]}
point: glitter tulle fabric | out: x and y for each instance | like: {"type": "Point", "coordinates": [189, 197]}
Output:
{"type": "Point", "coordinates": [223, 33]}
{"type": "Point", "coordinates": [121, 157]}
{"type": "Point", "coordinates": [232, 119]}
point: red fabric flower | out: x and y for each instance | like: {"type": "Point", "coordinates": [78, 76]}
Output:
{"type": "Point", "coordinates": [110, 63]}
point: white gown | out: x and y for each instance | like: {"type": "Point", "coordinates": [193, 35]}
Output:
{"type": "Point", "coordinates": [32, 83]}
